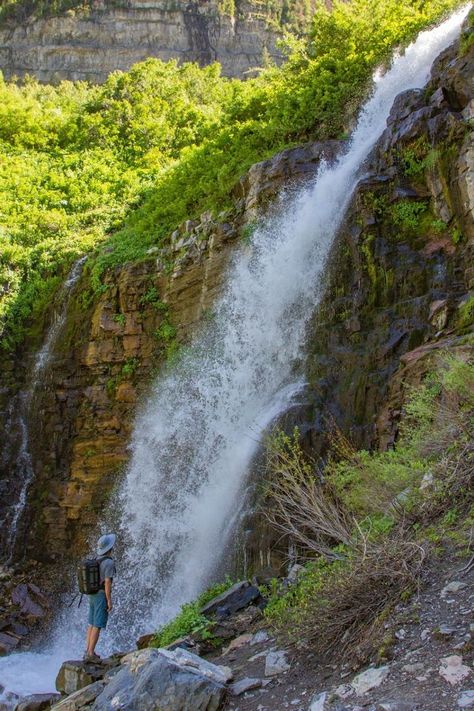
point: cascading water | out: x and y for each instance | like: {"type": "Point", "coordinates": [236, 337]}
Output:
{"type": "Point", "coordinates": [19, 415]}
{"type": "Point", "coordinates": [195, 438]}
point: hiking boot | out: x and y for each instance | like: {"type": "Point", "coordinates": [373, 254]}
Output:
{"type": "Point", "coordinates": [91, 657]}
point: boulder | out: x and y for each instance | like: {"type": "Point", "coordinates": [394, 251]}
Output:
{"type": "Point", "coordinates": [230, 627]}
{"type": "Point", "coordinates": [319, 702]}
{"type": "Point", "coordinates": [276, 663]}
{"type": "Point", "coordinates": [185, 658]}
{"type": "Point", "coordinates": [80, 699]}
{"type": "Point", "coordinates": [38, 702]}
{"type": "Point", "coordinates": [369, 679]}
{"type": "Point", "coordinates": [75, 674]}
{"type": "Point", "coordinates": [153, 679]}
{"type": "Point", "coordinates": [31, 601]}
{"type": "Point", "coordinates": [235, 598]}
{"type": "Point", "coordinates": [244, 685]}
{"type": "Point", "coordinates": [7, 643]}
{"type": "Point", "coordinates": [453, 670]}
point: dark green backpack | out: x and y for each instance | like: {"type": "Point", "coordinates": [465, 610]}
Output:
{"type": "Point", "coordinates": [88, 576]}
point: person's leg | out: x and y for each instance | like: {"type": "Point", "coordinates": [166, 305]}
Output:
{"type": "Point", "coordinates": [88, 638]}
{"type": "Point", "coordinates": [93, 639]}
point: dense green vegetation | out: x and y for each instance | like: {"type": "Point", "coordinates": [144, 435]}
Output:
{"type": "Point", "coordinates": [128, 161]}
{"type": "Point", "coordinates": [395, 505]}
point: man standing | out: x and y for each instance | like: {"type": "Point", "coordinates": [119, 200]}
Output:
{"type": "Point", "coordinates": [100, 604]}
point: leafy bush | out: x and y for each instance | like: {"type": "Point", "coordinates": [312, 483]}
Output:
{"type": "Point", "coordinates": [407, 214]}
{"type": "Point", "coordinates": [189, 620]}
{"type": "Point", "coordinates": [340, 604]}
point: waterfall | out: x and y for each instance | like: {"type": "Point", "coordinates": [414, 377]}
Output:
{"type": "Point", "coordinates": [195, 437]}
{"type": "Point", "coordinates": [20, 411]}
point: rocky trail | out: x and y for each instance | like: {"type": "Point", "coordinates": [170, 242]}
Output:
{"type": "Point", "coordinates": [429, 643]}
{"type": "Point", "coordinates": [425, 663]}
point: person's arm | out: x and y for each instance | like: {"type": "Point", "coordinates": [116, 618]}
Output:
{"type": "Point", "coordinates": [108, 593]}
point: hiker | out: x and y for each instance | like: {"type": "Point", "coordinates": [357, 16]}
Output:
{"type": "Point", "coordinates": [100, 603]}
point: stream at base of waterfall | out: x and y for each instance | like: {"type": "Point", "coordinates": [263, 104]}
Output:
{"type": "Point", "coordinates": [195, 438]}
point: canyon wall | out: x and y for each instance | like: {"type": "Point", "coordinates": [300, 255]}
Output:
{"type": "Point", "coordinates": [398, 293]}
{"type": "Point", "coordinates": [105, 357]}
{"type": "Point", "coordinates": [88, 45]}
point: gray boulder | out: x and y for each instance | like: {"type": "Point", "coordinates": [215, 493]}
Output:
{"type": "Point", "coordinates": [76, 674]}
{"type": "Point", "coordinates": [163, 680]}
{"type": "Point", "coordinates": [80, 699]}
{"type": "Point", "coordinates": [38, 702]}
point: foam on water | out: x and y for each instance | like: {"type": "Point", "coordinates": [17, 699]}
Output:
{"type": "Point", "coordinates": [198, 432]}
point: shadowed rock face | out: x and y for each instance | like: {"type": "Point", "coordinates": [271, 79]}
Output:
{"type": "Point", "coordinates": [395, 286]}
{"type": "Point", "coordinates": [396, 283]}
{"type": "Point", "coordinates": [90, 45]}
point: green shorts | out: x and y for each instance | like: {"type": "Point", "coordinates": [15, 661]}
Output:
{"type": "Point", "coordinates": [98, 614]}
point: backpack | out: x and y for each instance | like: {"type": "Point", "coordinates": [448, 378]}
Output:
{"type": "Point", "coordinates": [88, 576]}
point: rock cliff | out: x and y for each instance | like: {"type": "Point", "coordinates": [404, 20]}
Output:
{"type": "Point", "coordinates": [110, 348]}
{"type": "Point", "coordinates": [398, 292]}
{"type": "Point", "coordinates": [89, 44]}
{"type": "Point", "coordinates": [399, 287]}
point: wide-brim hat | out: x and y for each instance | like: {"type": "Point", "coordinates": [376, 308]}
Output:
{"type": "Point", "coordinates": [106, 543]}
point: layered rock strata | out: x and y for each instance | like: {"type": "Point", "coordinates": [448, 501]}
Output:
{"type": "Point", "coordinates": [401, 272]}
{"type": "Point", "coordinates": [399, 290]}
{"type": "Point", "coordinates": [110, 36]}
{"type": "Point", "coordinates": [109, 351]}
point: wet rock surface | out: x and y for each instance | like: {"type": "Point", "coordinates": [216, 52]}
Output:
{"type": "Point", "coordinates": [232, 600]}
{"type": "Point", "coordinates": [75, 675]}
{"type": "Point", "coordinates": [394, 289]}
{"type": "Point", "coordinates": [24, 607]}
{"type": "Point", "coordinates": [38, 702]}
{"type": "Point", "coordinates": [150, 679]}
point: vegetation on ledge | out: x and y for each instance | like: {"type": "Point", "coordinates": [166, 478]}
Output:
{"type": "Point", "coordinates": [123, 164]}
{"type": "Point", "coordinates": [365, 524]}
{"type": "Point", "coordinates": [384, 513]}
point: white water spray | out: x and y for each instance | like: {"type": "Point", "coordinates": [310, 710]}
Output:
{"type": "Point", "coordinates": [194, 441]}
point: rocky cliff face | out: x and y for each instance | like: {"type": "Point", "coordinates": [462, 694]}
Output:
{"type": "Point", "coordinates": [399, 292]}
{"type": "Point", "coordinates": [401, 273]}
{"type": "Point", "coordinates": [90, 45]}
{"type": "Point", "coordinates": [106, 355]}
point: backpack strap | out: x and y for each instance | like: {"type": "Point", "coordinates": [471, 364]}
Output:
{"type": "Point", "coordinates": [99, 560]}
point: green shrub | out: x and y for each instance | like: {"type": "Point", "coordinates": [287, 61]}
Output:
{"type": "Point", "coordinates": [339, 607]}
{"type": "Point", "coordinates": [466, 313]}
{"type": "Point", "coordinates": [407, 215]}
{"type": "Point", "coordinates": [189, 620]}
